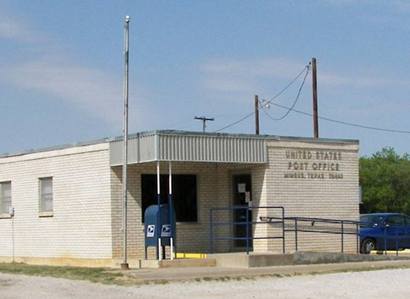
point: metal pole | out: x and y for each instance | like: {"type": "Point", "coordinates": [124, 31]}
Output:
{"type": "Point", "coordinates": [314, 91]}
{"type": "Point", "coordinates": [12, 236]}
{"type": "Point", "coordinates": [124, 264]}
{"type": "Point", "coordinates": [357, 238]}
{"type": "Point", "coordinates": [211, 233]}
{"type": "Point", "coordinates": [170, 211]}
{"type": "Point", "coordinates": [342, 236]}
{"type": "Point", "coordinates": [296, 234]}
{"type": "Point", "coordinates": [256, 115]}
{"type": "Point", "coordinates": [247, 230]}
{"type": "Point", "coordinates": [283, 232]}
{"type": "Point", "coordinates": [159, 228]}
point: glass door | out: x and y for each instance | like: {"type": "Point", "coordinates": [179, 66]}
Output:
{"type": "Point", "coordinates": [242, 196]}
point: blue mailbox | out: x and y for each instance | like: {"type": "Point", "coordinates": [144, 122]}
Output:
{"type": "Point", "coordinates": [156, 224]}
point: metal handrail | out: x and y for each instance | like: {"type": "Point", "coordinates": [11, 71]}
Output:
{"type": "Point", "coordinates": [314, 228]}
{"type": "Point", "coordinates": [248, 236]}
{"type": "Point", "coordinates": [296, 225]}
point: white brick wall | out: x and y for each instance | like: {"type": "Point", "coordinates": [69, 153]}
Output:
{"type": "Point", "coordinates": [86, 222]}
{"type": "Point", "coordinates": [81, 222]}
{"type": "Point", "coordinates": [323, 198]}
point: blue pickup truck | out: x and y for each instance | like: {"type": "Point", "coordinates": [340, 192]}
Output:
{"type": "Point", "coordinates": [384, 231]}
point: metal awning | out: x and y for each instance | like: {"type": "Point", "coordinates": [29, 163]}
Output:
{"type": "Point", "coordinates": [190, 147]}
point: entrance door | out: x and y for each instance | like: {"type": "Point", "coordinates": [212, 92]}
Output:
{"type": "Point", "coordinates": [242, 196]}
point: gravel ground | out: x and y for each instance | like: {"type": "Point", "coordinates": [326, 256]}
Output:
{"type": "Point", "coordinates": [372, 284]}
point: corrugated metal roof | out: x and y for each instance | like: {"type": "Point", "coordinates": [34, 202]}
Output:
{"type": "Point", "coordinates": [56, 147]}
{"type": "Point", "coordinates": [205, 148]}
{"type": "Point", "coordinates": [170, 145]}
{"type": "Point", "coordinates": [189, 146]}
{"type": "Point", "coordinates": [240, 135]}
{"type": "Point", "coordinates": [176, 146]}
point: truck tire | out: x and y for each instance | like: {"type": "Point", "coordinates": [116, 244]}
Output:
{"type": "Point", "coordinates": [367, 246]}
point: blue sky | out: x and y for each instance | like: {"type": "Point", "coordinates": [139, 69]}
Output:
{"type": "Point", "coordinates": [61, 67]}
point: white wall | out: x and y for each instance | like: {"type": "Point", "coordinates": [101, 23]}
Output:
{"type": "Point", "coordinates": [81, 223]}
{"type": "Point", "coordinates": [213, 190]}
{"type": "Point", "coordinates": [314, 197]}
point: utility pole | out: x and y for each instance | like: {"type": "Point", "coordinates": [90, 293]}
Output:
{"type": "Point", "coordinates": [124, 264]}
{"type": "Point", "coordinates": [204, 120]}
{"type": "Point", "coordinates": [314, 93]}
{"type": "Point", "coordinates": [256, 115]}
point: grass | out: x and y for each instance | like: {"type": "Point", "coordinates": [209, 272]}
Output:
{"type": "Point", "coordinates": [116, 277]}
{"type": "Point", "coordinates": [100, 275]}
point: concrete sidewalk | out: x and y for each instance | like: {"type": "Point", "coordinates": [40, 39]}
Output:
{"type": "Point", "coordinates": [165, 275]}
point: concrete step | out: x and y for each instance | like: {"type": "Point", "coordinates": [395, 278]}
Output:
{"type": "Point", "coordinates": [242, 260]}
{"type": "Point", "coordinates": [178, 263]}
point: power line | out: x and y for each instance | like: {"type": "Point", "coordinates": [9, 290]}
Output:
{"type": "Point", "coordinates": [294, 102]}
{"type": "Point", "coordinates": [344, 122]}
{"type": "Point", "coordinates": [274, 97]}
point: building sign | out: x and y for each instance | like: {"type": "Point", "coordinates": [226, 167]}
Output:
{"type": "Point", "coordinates": [313, 164]}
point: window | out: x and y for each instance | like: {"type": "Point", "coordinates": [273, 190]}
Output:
{"type": "Point", "coordinates": [5, 197]}
{"type": "Point", "coordinates": [184, 194]}
{"type": "Point", "coordinates": [46, 195]}
{"type": "Point", "coordinates": [370, 220]}
{"type": "Point", "coordinates": [395, 220]}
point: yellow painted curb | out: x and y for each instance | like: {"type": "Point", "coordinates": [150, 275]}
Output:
{"type": "Point", "coordinates": [181, 255]}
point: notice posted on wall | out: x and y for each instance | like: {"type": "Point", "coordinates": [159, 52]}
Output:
{"type": "Point", "coordinates": [241, 188]}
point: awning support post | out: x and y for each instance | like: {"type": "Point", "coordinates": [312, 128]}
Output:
{"type": "Point", "coordinates": [170, 210]}
{"type": "Point", "coordinates": [159, 248]}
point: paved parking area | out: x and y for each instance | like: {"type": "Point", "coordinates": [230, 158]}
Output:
{"type": "Point", "coordinates": [371, 284]}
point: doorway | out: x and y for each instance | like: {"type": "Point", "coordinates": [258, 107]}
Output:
{"type": "Point", "coordinates": [242, 196]}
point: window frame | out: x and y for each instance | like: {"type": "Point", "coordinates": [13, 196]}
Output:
{"type": "Point", "coordinates": [5, 214]}
{"type": "Point", "coordinates": [41, 199]}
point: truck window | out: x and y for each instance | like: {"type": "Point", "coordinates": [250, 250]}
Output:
{"type": "Point", "coordinates": [395, 220]}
